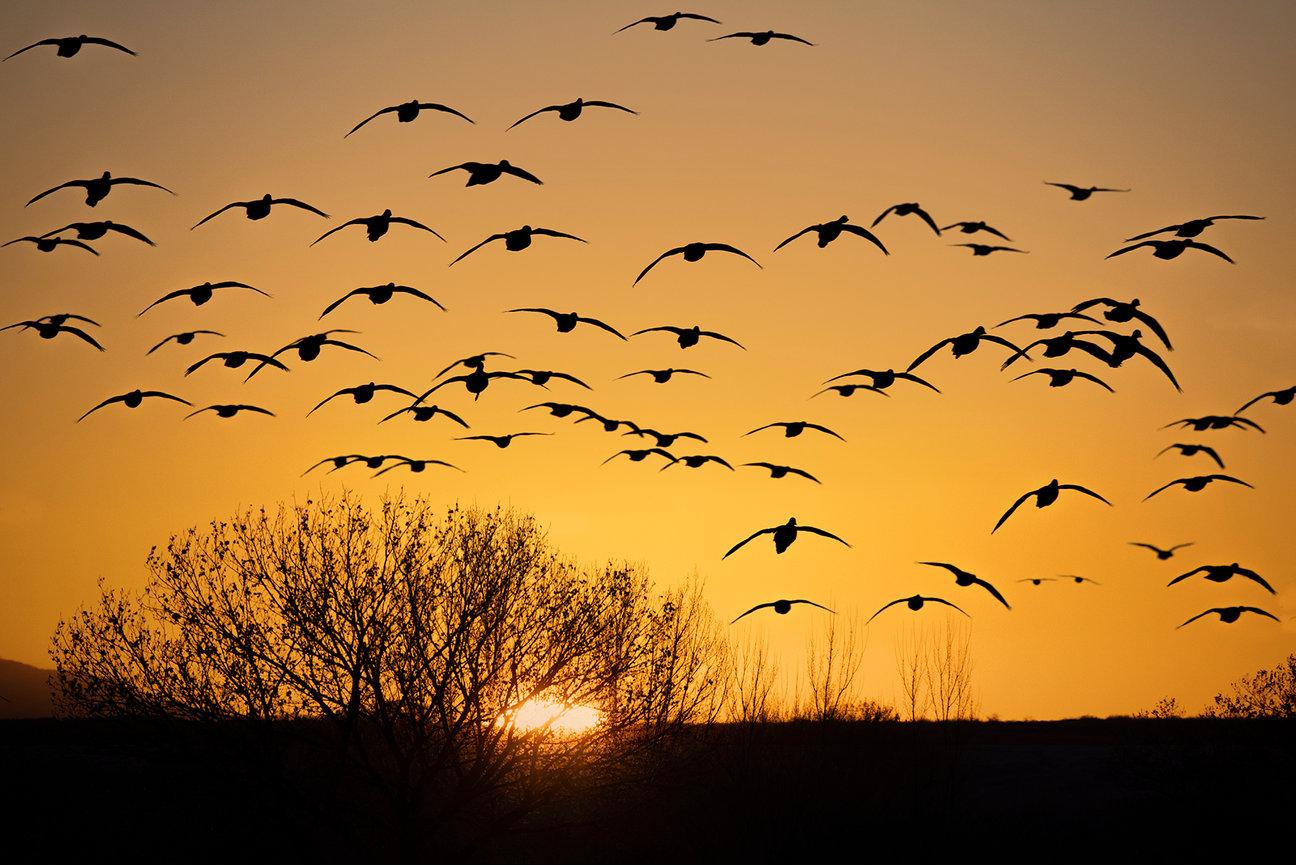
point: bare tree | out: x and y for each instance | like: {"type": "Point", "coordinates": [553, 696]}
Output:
{"type": "Point", "coordinates": [948, 672]}
{"type": "Point", "coordinates": [911, 664]}
{"type": "Point", "coordinates": [832, 666]}
{"type": "Point", "coordinates": [752, 675]}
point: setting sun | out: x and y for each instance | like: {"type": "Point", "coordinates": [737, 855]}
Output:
{"type": "Point", "coordinates": [537, 713]}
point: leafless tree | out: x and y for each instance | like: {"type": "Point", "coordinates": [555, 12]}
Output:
{"type": "Point", "coordinates": [948, 671]}
{"type": "Point", "coordinates": [752, 676]}
{"type": "Point", "coordinates": [832, 666]}
{"type": "Point", "coordinates": [911, 665]}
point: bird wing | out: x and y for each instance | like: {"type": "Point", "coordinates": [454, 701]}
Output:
{"type": "Point", "coordinates": [135, 181]}
{"type": "Point", "coordinates": [1148, 234]}
{"type": "Point", "coordinates": [1092, 378]}
{"type": "Point", "coordinates": [602, 104]}
{"type": "Point", "coordinates": [339, 228]}
{"type": "Point", "coordinates": [951, 568]}
{"type": "Point", "coordinates": [926, 217]}
{"type": "Point", "coordinates": [297, 203]}
{"type": "Point", "coordinates": [362, 123]}
{"type": "Point", "coordinates": [60, 186]}
{"type": "Point", "coordinates": [721, 336]}
{"type": "Point", "coordinates": [1159, 363]}
{"type": "Point", "coordinates": [1130, 248]}
{"type": "Point", "coordinates": [1198, 616]}
{"type": "Point", "coordinates": [1231, 479]}
{"type": "Point", "coordinates": [739, 545]}
{"type": "Point", "coordinates": [892, 604]}
{"type": "Point", "coordinates": [992, 590]}
{"type": "Point", "coordinates": [609, 328]}
{"type": "Point", "coordinates": [335, 304]}
{"type": "Point", "coordinates": [1260, 611]}
{"type": "Point", "coordinates": [1081, 489]}
{"type": "Point", "coordinates": [549, 232]}
{"type": "Point", "coordinates": [794, 39]}
{"type": "Point", "coordinates": [867, 235]}
{"type": "Point", "coordinates": [1155, 327]}
{"type": "Point", "coordinates": [1161, 489]}
{"type": "Point", "coordinates": [81, 333]}
{"type": "Point", "coordinates": [33, 45]}
{"type": "Point", "coordinates": [792, 238]}
{"type": "Point", "coordinates": [1252, 575]}
{"type": "Point", "coordinates": [540, 110]}
{"type": "Point", "coordinates": [822, 532]}
{"type": "Point", "coordinates": [522, 173]}
{"type": "Point", "coordinates": [1206, 247]}
{"type": "Point", "coordinates": [97, 40]}
{"type": "Point", "coordinates": [1009, 512]}
{"type": "Point", "coordinates": [874, 223]}
{"type": "Point", "coordinates": [643, 272]}
{"type": "Point", "coordinates": [109, 401]}
{"type": "Point", "coordinates": [218, 213]}
{"type": "Point", "coordinates": [755, 608]}
{"type": "Point", "coordinates": [929, 352]}
{"type": "Point", "coordinates": [824, 429]}
{"type": "Point", "coordinates": [724, 247]}
{"type": "Point", "coordinates": [403, 221]}
{"type": "Point", "coordinates": [477, 247]}
{"type": "Point", "coordinates": [180, 292]}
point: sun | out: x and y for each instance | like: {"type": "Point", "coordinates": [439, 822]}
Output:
{"type": "Point", "coordinates": [559, 718]}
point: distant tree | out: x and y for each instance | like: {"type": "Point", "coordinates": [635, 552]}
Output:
{"type": "Point", "coordinates": [832, 666]}
{"type": "Point", "coordinates": [417, 641]}
{"type": "Point", "coordinates": [1267, 694]}
{"type": "Point", "coordinates": [936, 674]}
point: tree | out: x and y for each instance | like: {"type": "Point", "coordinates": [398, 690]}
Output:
{"type": "Point", "coordinates": [416, 641]}
{"type": "Point", "coordinates": [1267, 694]}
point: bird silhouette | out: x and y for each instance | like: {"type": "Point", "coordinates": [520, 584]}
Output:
{"type": "Point", "coordinates": [883, 379]}
{"type": "Point", "coordinates": [1078, 580]}
{"type": "Point", "coordinates": [97, 188]}
{"type": "Point", "coordinates": [761, 38]}
{"type": "Point", "coordinates": [47, 329]}
{"type": "Point", "coordinates": [963, 578]}
{"type": "Point", "coordinates": [1121, 312]}
{"type": "Point", "coordinates": [542, 377]}
{"type": "Point", "coordinates": [518, 239]}
{"type": "Point", "coordinates": [1224, 573]}
{"type": "Point", "coordinates": [562, 409]}
{"type": "Point", "coordinates": [1197, 484]}
{"type": "Point", "coordinates": [415, 466]}
{"type": "Point", "coordinates": [782, 607]}
{"type": "Point", "coordinates": [1193, 450]}
{"type": "Point", "coordinates": [308, 347]}
{"type": "Point", "coordinates": [377, 226]}
{"type": "Point", "coordinates": [973, 227]}
{"type": "Point", "coordinates": [49, 244]}
{"type": "Point", "coordinates": [567, 321]}
{"type": "Point", "coordinates": [1037, 580]}
{"type": "Point", "coordinates": [1169, 249]}
{"type": "Point", "coordinates": [424, 413]}
{"type": "Point", "coordinates": [690, 336]}
{"type": "Point", "coordinates": [1279, 397]}
{"type": "Point", "coordinates": [132, 400]}
{"type": "Point", "coordinates": [1045, 496]}
{"type": "Point", "coordinates": [361, 394]}
{"type": "Point", "coordinates": [345, 460]}
{"type": "Point", "coordinates": [846, 390]}
{"type": "Point", "coordinates": [637, 456]}
{"type": "Point", "coordinates": [1080, 193]}
{"type": "Point", "coordinates": [227, 411]}
{"type": "Point", "coordinates": [666, 22]}
{"type": "Point", "coordinates": [1215, 421]}
{"type": "Point", "coordinates": [380, 294]}
{"type": "Point", "coordinates": [476, 362]}
{"type": "Point", "coordinates": [1063, 377]}
{"type": "Point", "coordinates": [827, 232]}
{"type": "Point", "coordinates": [792, 429]}
{"type": "Point", "coordinates": [1160, 553]}
{"type": "Point", "coordinates": [1229, 615]}
{"type": "Point", "coordinates": [200, 294]}
{"type": "Point", "coordinates": [1191, 228]}
{"type": "Point", "coordinates": [906, 210]}
{"type": "Point", "coordinates": [1048, 320]}
{"type": "Point", "coordinates": [68, 46]}
{"type": "Point", "coordinates": [777, 471]}
{"type": "Point", "coordinates": [963, 344]}
{"type": "Point", "coordinates": [1126, 346]}
{"type": "Point", "coordinates": [1057, 346]}
{"type": "Point", "coordinates": [663, 440]}
{"type": "Point", "coordinates": [501, 441]}
{"type": "Point", "coordinates": [481, 173]}
{"type": "Point", "coordinates": [407, 111]}
{"type": "Point", "coordinates": [916, 603]}
{"type": "Point", "coordinates": [260, 208]}
{"type": "Point", "coordinates": [986, 249]}
{"type": "Point", "coordinates": [661, 376]}
{"type": "Point", "coordinates": [235, 359]}
{"type": "Point", "coordinates": [475, 382]}
{"type": "Point", "coordinates": [96, 230]}
{"type": "Point", "coordinates": [611, 425]}
{"type": "Point", "coordinates": [696, 461]}
{"type": "Point", "coordinates": [694, 252]}
{"type": "Point", "coordinates": [784, 536]}
{"type": "Point", "coordinates": [571, 110]}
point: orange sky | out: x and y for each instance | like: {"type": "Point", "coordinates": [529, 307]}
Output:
{"type": "Point", "coordinates": [964, 108]}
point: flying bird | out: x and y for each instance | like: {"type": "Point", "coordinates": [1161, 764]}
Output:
{"type": "Point", "coordinates": [132, 400]}
{"type": "Point", "coordinates": [1191, 228]}
{"type": "Point", "coordinates": [97, 188]}
{"type": "Point", "coordinates": [1193, 450]}
{"type": "Point", "coordinates": [227, 411]}
{"type": "Point", "coordinates": [906, 210]}
{"type": "Point", "coordinates": [963, 344]}
{"type": "Point", "coordinates": [883, 379]}
{"type": "Point", "coordinates": [49, 244]}
{"type": "Point", "coordinates": [345, 460]}
{"type": "Point", "coordinates": [694, 252]}
{"type": "Point", "coordinates": [1197, 484]}
{"type": "Point", "coordinates": [380, 294]}
{"type": "Point", "coordinates": [1160, 553]}
{"type": "Point", "coordinates": [235, 359]}
{"type": "Point", "coordinates": [1063, 377]}
{"type": "Point", "coordinates": [1168, 249]}
{"type": "Point", "coordinates": [639, 455]}
{"type": "Point", "coordinates": [567, 321]}
{"type": "Point", "coordinates": [308, 347]}
{"type": "Point", "coordinates": [695, 461]}
{"type": "Point", "coordinates": [481, 173]}
{"type": "Point", "coordinates": [690, 336]}
{"type": "Point", "coordinates": [1121, 312]}
{"type": "Point", "coordinates": [476, 362]}
{"type": "Point", "coordinates": [963, 578]}
{"type": "Point", "coordinates": [562, 409]}
{"type": "Point", "coordinates": [1229, 615]}
{"type": "Point", "coordinates": [199, 294]}
{"type": "Point", "coordinates": [1279, 397]}
{"type": "Point", "coordinates": [377, 226]}
{"type": "Point", "coordinates": [777, 471]}
{"type": "Point", "coordinates": [407, 111]}
{"type": "Point", "coordinates": [501, 441]}
{"type": "Point", "coordinates": [1215, 421]}
{"type": "Point", "coordinates": [845, 390]}
{"type": "Point", "coordinates": [518, 239]}
{"type": "Point", "coordinates": [571, 110]}
{"type": "Point", "coordinates": [916, 603]}
{"type": "Point", "coordinates": [96, 230]}
{"type": "Point", "coordinates": [661, 376]}
{"type": "Point", "coordinates": [475, 382]}
{"type": "Point", "coordinates": [761, 38]}
{"type": "Point", "coordinates": [260, 208]}
{"type": "Point", "coordinates": [364, 393]}
{"type": "Point", "coordinates": [973, 227]}
{"type": "Point", "coordinates": [542, 377]}
{"type": "Point", "coordinates": [782, 607]}
{"type": "Point", "coordinates": [1045, 496]}
{"type": "Point", "coordinates": [986, 249]}
{"type": "Point", "coordinates": [666, 22]}
{"type": "Point", "coordinates": [1037, 580]}
{"type": "Point", "coordinates": [1047, 320]}
{"type": "Point", "coordinates": [792, 429]}
{"type": "Point", "coordinates": [663, 440]}
{"type": "Point", "coordinates": [1126, 346]}
{"type": "Point", "coordinates": [827, 232]}
{"type": "Point", "coordinates": [1080, 193]}
{"type": "Point", "coordinates": [784, 535]}
{"type": "Point", "coordinates": [423, 413]}
{"type": "Point", "coordinates": [415, 466]}
{"type": "Point", "coordinates": [68, 46]}
{"type": "Point", "coordinates": [1223, 573]}
{"type": "Point", "coordinates": [48, 329]}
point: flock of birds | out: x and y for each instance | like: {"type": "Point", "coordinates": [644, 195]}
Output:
{"type": "Point", "coordinates": [1094, 339]}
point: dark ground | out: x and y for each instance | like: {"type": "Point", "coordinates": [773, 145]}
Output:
{"type": "Point", "coordinates": [141, 792]}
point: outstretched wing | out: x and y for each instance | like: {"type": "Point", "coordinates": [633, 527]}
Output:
{"type": "Point", "coordinates": [1014, 507]}
{"type": "Point", "coordinates": [740, 544]}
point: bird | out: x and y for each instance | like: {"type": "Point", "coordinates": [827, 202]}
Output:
{"type": "Point", "coordinates": [784, 535]}
{"type": "Point", "coordinates": [423, 413]}
{"type": "Point", "coordinates": [694, 252]}
{"type": "Point", "coordinates": [567, 321]}
{"type": "Point", "coordinates": [973, 227]}
{"type": "Point", "coordinates": [1063, 377]}
{"type": "Point", "coordinates": [364, 393]}
{"type": "Point", "coordinates": [1279, 397]}
{"type": "Point", "coordinates": [1126, 346]}
{"type": "Point", "coordinates": [235, 359]}
{"type": "Point", "coordinates": [637, 455]}
{"type": "Point", "coordinates": [661, 376]}
{"type": "Point", "coordinates": [476, 362]}
{"type": "Point", "coordinates": [96, 230]}
{"type": "Point", "coordinates": [415, 466]}
{"type": "Point", "coordinates": [1078, 580]}
{"type": "Point", "coordinates": [562, 409]}
{"type": "Point", "coordinates": [1047, 320]}
{"type": "Point", "coordinates": [542, 377]}
{"type": "Point", "coordinates": [68, 46]}
{"type": "Point", "coordinates": [696, 461]}
{"type": "Point", "coordinates": [481, 173]}
{"type": "Point", "coordinates": [1037, 580]}
{"type": "Point", "coordinates": [666, 22]}
{"type": "Point", "coordinates": [97, 188]}
{"type": "Point", "coordinates": [906, 210]}
{"type": "Point", "coordinates": [475, 382]}
{"type": "Point", "coordinates": [571, 110]}
{"type": "Point", "coordinates": [47, 329]}
{"type": "Point", "coordinates": [963, 578]}
{"type": "Point", "coordinates": [227, 411]}
{"type": "Point", "coordinates": [1168, 249]}
{"type": "Point", "coordinates": [1160, 553]}
{"type": "Point", "coordinates": [1191, 228]}
{"type": "Point", "coordinates": [792, 429]}
{"type": "Point", "coordinates": [985, 249]}
{"type": "Point", "coordinates": [845, 390]}
{"type": "Point", "coordinates": [611, 425]}
{"type": "Point", "coordinates": [782, 607]}
{"type": "Point", "coordinates": [761, 38]}
{"type": "Point", "coordinates": [1196, 484]}
{"type": "Point", "coordinates": [777, 471]}
{"type": "Point", "coordinates": [345, 460]}
{"type": "Point", "coordinates": [1214, 421]}
{"type": "Point", "coordinates": [200, 294]}
{"type": "Point", "coordinates": [308, 347]}
{"type": "Point", "coordinates": [963, 344]}
{"type": "Point", "coordinates": [407, 111]}
{"type": "Point", "coordinates": [132, 400]}
{"type": "Point", "coordinates": [1229, 615]}
{"type": "Point", "coordinates": [690, 336]}
{"type": "Point", "coordinates": [260, 208]}
{"type": "Point", "coordinates": [518, 239]}
{"type": "Point", "coordinates": [377, 226]}
{"type": "Point", "coordinates": [1080, 193]}
{"type": "Point", "coordinates": [663, 440]}
{"type": "Point", "coordinates": [380, 294]}
{"type": "Point", "coordinates": [501, 441]}
{"type": "Point", "coordinates": [1223, 573]}
{"type": "Point", "coordinates": [883, 379]}
{"type": "Point", "coordinates": [1057, 346]}
{"type": "Point", "coordinates": [1123, 311]}
{"type": "Point", "coordinates": [1045, 496]}
{"type": "Point", "coordinates": [916, 603]}
{"type": "Point", "coordinates": [1192, 450]}
{"type": "Point", "coordinates": [49, 244]}
{"type": "Point", "coordinates": [827, 232]}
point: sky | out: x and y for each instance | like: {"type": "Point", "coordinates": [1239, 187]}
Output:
{"type": "Point", "coordinates": [970, 110]}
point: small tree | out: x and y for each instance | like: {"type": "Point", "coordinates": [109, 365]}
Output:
{"type": "Point", "coordinates": [832, 665]}
{"type": "Point", "coordinates": [1267, 694]}
{"type": "Point", "coordinates": [417, 640]}
{"type": "Point", "coordinates": [949, 674]}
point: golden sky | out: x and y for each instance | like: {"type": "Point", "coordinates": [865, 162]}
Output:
{"type": "Point", "coordinates": [967, 109]}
